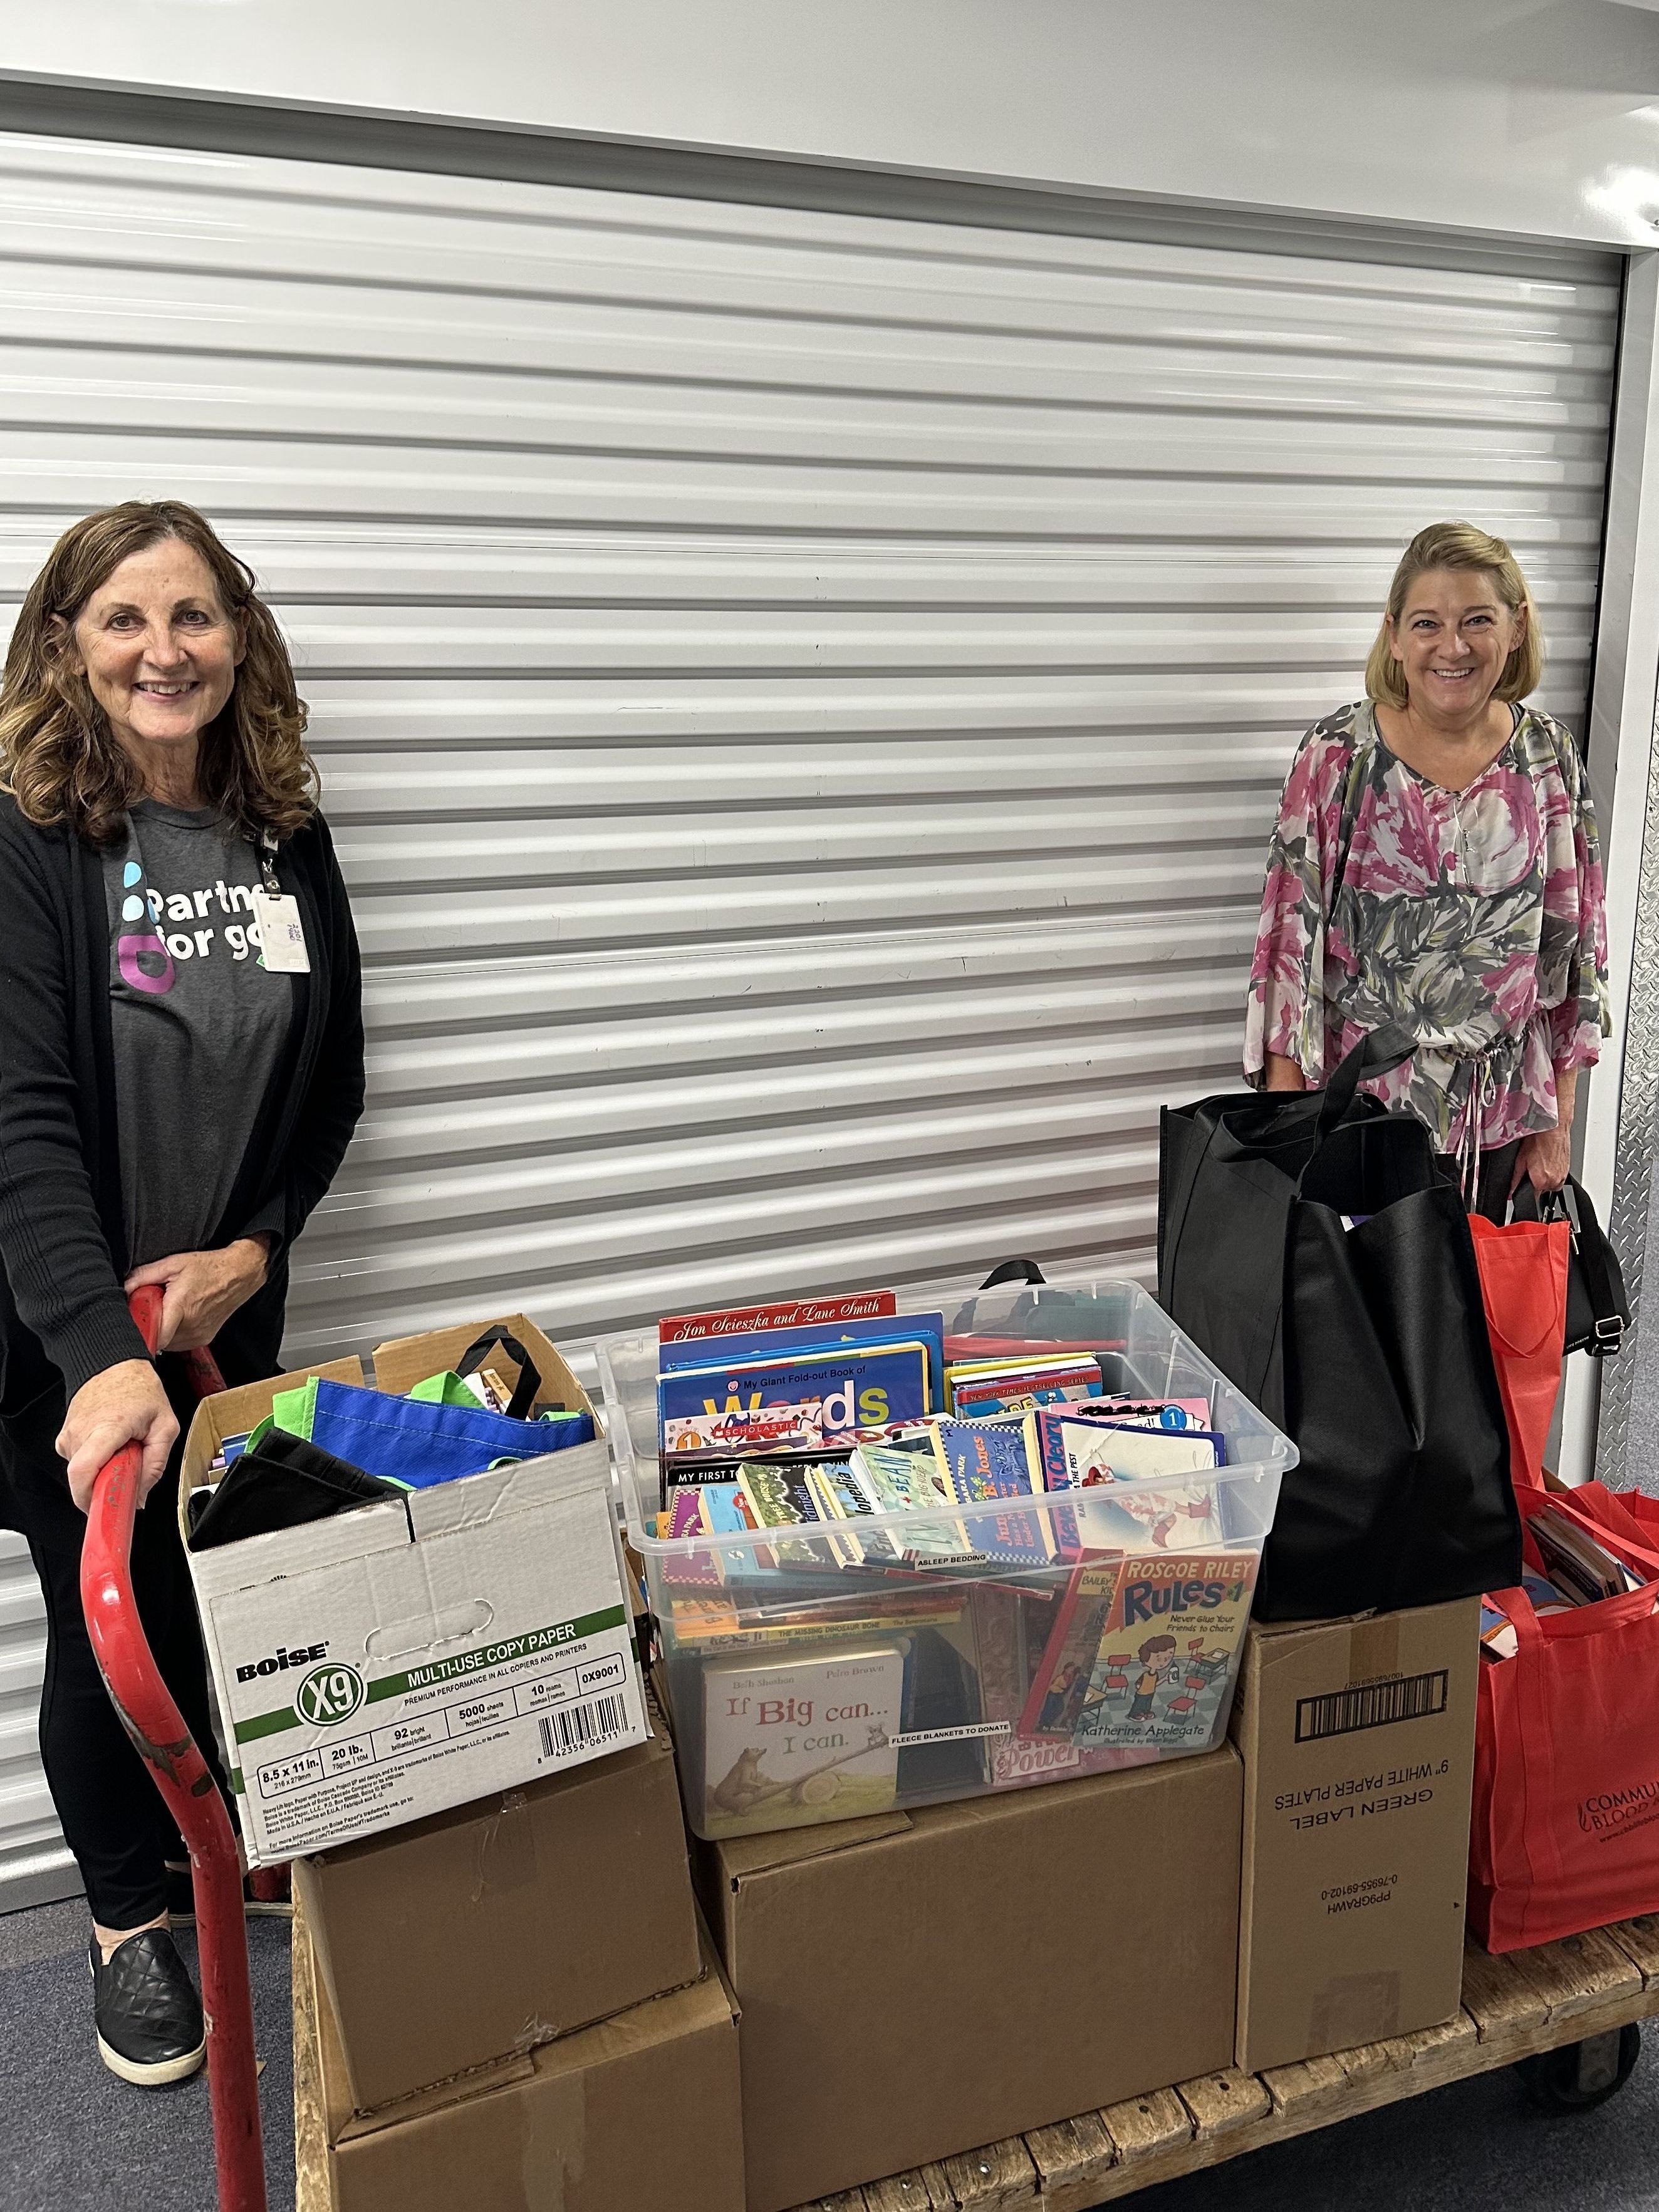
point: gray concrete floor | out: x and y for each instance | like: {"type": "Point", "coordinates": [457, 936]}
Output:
{"type": "Point", "coordinates": [73, 2139]}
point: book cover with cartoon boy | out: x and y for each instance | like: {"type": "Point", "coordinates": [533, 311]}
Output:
{"type": "Point", "coordinates": [1168, 1650]}
{"type": "Point", "coordinates": [801, 1738]}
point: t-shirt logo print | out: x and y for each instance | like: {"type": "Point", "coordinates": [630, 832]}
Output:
{"type": "Point", "coordinates": [145, 961]}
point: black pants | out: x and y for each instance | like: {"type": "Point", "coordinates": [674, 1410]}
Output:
{"type": "Point", "coordinates": [1497, 1173]}
{"type": "Point", "coordinates": [116, 1820]}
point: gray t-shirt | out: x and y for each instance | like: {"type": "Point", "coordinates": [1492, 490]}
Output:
{"type": "Point", "coordinates": [199, 1024]}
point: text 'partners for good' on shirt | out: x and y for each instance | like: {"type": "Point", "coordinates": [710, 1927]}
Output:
{"type": "Point", "coordinates": [198, 1022]}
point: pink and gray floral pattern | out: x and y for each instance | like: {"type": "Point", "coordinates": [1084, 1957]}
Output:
{"type": "Point", "coordinates": [1475, 919]}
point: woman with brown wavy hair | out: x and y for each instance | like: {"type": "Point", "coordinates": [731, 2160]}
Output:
{"type": "Point", "coordinates": [179, 1072]}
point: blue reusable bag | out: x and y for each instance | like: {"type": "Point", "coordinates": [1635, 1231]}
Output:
{"type": "Point", "coordinates": [415, 1441]}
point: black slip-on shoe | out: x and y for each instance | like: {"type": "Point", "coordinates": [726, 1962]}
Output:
{"type": "Point", "coordinates": [148, 2013]}
{"type": "Point", "coordinates": [182, 1896]}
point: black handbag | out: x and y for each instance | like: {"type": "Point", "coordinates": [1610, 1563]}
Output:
{"type": "Point", "coordinates": [1309, 1244]}
{"type": "Point", "coordinates": [1598, 1309]}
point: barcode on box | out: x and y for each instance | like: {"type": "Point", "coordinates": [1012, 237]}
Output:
{"type": "Point", "coordinates": [579, 1728]}
{"type": "Point", "coordinates": [1373, 1704]}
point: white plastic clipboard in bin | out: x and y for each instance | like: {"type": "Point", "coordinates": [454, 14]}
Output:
{"type": "Point", "coordinates": [936, 1660]}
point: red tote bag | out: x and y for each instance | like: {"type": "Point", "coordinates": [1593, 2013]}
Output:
{"type": "Point", "coordinates": [1524, 1287]}
{"type": "Point", "coordinates": [1565, 1829]}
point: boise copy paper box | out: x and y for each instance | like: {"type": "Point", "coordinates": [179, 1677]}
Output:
{"type": "Point", "coordinates": [451, 1942]}
{"type": "Point", "coordinates": [638, 2113]}
{"type": "Point", "coordinates": [411, 1655]}
{"type": "Point", "coordinates": [907, 1989]}
{"type": "Point", "coordinates": [1357, 1739]}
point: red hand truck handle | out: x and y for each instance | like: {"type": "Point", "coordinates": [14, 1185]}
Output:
{"type": "Point", "coordinates": [179, 1771]}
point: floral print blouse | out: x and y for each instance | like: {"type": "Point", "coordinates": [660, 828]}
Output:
{"type": "Point", "coordinates": [1475, 919]}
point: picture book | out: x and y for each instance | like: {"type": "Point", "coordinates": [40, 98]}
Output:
{"type": "Point", "coordinates": [973, 1392]}
{"type": "Point", "coordinates": [786, 1313]}
{"type": "Point", "coordinates": [895, 1480]}
{"type": "Point", "coordinates": [1169, 1648]}
{"type": "Point", "coordinates": [898, 1481]}
{"type": "Point", "coordinates": [801, 1737]}
{"type": "Point", "coordinates": [1098, 1456]}
{"type": "Point", "coordinates": [775, 1347]}
{"type": "Point", "coordinates": [722, 1510]}
{"type": "Point", "coordinates": [1580, 1567]}
{"type": "Point", "coordinates": [914, 1438]}
{"type": "Point", "coordinates": [981, 1462]}
{"type": "Point", "coordinates": [985, 1459]}
{"type": "Point", "coordinates": [693, 1570]}
{"type": "Point", "coordinates": [1059, 1691]}
{"type": "Point", "coordinates": [842, 1499]}
{"type": "Point", "coordinates": [1075, 1454]}
{"type": "Point", "coordinates": [811, 1396]}
{"type": "Point", "coordinates": [1154, 1412]}
{"type": "Point", "coordinates": [779, 1496]}
{"type": "Point", "coordinates": [684, 1513]}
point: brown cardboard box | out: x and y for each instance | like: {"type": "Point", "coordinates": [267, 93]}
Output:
{"type": "Point", "coordinates": [642, 2110]}
{"type": "Point", "coordinates": [453, 1941]}
{"type": "Point", "coordinates": [404, 1361]}
{"type": "Point", "coordinates": [919, 1983]}
{"type": "Point", "coordinates": [1357, 1738]}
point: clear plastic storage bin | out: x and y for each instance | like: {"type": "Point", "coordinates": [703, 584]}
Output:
{"type": "Point", "coordinates": [846, 1668]}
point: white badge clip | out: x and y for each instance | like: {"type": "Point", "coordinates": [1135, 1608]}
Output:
{"type": "Point", "coordinates": [282, 933]}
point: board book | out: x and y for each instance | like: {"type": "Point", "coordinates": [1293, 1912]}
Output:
{"type": "Point", "coordinates": [807, 1397]}
{"type": "Point", "coordinates": [801, 1737]}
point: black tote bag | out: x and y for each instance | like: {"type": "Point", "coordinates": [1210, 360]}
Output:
{"type": "Point", "coordinates": [1366, 1343]}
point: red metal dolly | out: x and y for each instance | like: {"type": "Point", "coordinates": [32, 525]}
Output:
{"type": "Point", "coordinates": [155, 1725]}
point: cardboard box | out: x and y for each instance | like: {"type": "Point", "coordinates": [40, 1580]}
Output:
{"type": "Point", "coordinates": [395, 1661]}
{"type": "Point", "coordinates": [453, 1942]}
{"type": "Point", "coordinates": [917, 1982]}
{"type": "Point", "coordinates": [641, 2112]}
{"type": "Point", "coordinates": [1357, 1739]}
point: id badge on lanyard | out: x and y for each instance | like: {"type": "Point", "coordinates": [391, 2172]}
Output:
{"type": "Point", "coordinates": [282, 932]}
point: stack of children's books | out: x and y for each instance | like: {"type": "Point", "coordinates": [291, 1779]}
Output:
{"type": "Point", "coordinates": [1062, 1534]}
{"type": "Point", "coordinates": [1578, 1569]}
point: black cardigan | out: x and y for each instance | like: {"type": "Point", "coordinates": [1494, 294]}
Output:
{"type": "Point", "coordinates": [63, 1315]}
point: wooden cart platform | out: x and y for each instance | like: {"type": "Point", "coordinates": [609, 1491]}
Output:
{"type": "Point", "coordinates": [1513, 2008]}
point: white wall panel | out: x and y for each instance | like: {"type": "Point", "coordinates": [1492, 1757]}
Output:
{"type": "Point", "coordinates": [801, 697]}
{"type": "Point", "coordinates": [1532, 116]}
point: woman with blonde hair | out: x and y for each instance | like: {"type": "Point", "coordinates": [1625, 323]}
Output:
{"type": "Point", "coordinates": [1435, 865]}
{"type": "Point", "coordinates": [180, 1073]}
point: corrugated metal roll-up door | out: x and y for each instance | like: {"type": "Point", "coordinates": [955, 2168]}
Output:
{"type": "Point", "coordinates": [34, 1864]}
{"type": "Point", "coordinates": [801, 695]}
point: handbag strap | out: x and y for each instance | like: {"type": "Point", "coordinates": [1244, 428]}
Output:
{"type": "Point", "coordinates": [1012, 1270]}
{"type": "Point", "coordinates": [1598, 1267]}
{"type": "Point", "coordinates": [526, 1390]}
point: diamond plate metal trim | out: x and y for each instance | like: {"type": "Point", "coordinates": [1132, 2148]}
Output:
{"type": "Point", "coordinates": [1632, 1180]}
